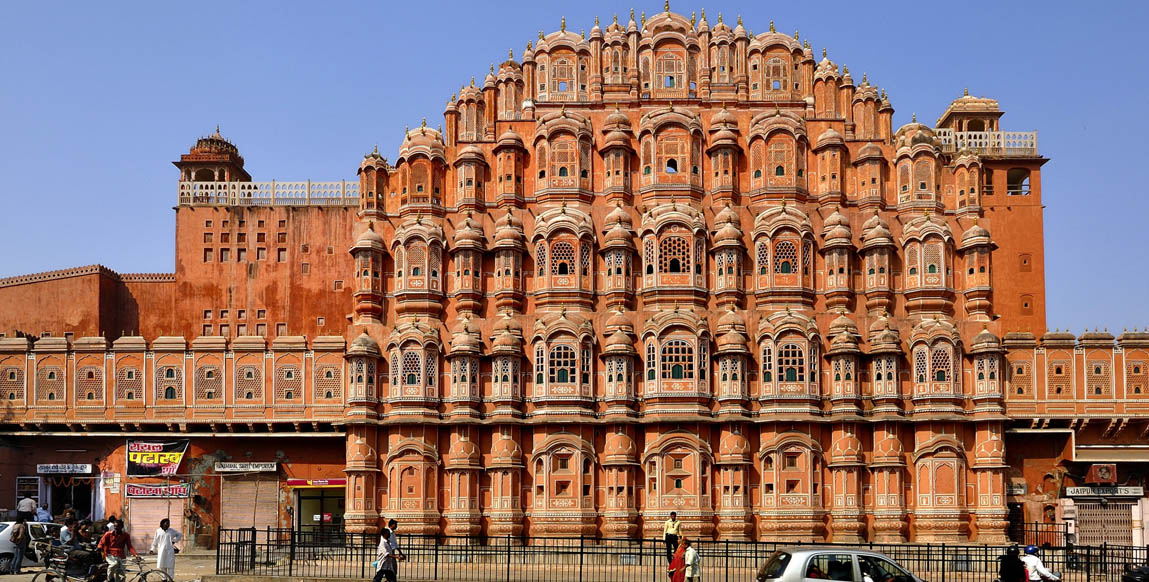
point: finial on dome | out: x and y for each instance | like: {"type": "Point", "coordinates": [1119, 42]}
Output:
{"type": "Point", "coordinates": [772, 26]}
{"type": "Point", "coordinates": [632, 14]}
{"type": "Point", "coordinates": [704, 14]}
{"type": "Point", "coordinates": [492, 68]}
{"type": "Point", "coordinates": [914, 118]}
{"type": "Point", "coordinates": [644, 19]}
{"type": "Point", "coordinates": [563, 25]}
{"type": "Point", "coordinates": [966, 92]}
{"type": "Point", "coordinates": [823, 52]}
{"type": "Point", "coordinates": [666, 6]}
{"type": "Point", "coordinates": [596, 20]}
{"type": "Point", "coordinates": [376, 150]}
{"type": "Point", "coordinates": [883, 94]}
{"type": "Point", "coordinates": [719, 18]}
{"type": "Point", "coordinates": [795, 34]}
{"type": "Point", "coordinates": [424, 124]}
{"type": "Point", "coordinates": [217, 130]}
{"type": "Point", "coordinates": [510, 54]}
{"type": "Point", "coordinates": [806, 44]}
{"type": "Point", "coordinates": [739, 20]}
{"type": "Point", "coordinates": [615, 18]}
{"type": "Point", "coordinates": [582, 33]}
{"type": "Point", "coordinates": [693, 21]}
{"type": "Point", "coordinates": [540, 35]}
{"type": "Point", "coordinates": [530, 46]}
{"type": "Point", "coordinates": [472, 80]}
{"type": "Point", "coordinates": [563, 110]}
{"type": "Point", "coordinates": [671, 104]}
{"type": "Point", "coordinates": [865, 79]}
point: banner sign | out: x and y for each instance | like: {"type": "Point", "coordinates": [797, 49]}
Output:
{"type": "Point", "coordinates": [152, 459]}
{"type": "Point", "coordinates": [315, 482]}
{"type": "Point", "coordinates": [64, 469]}
{"type": "Point", "coordinates": [270, 467]}
{"type": "Point", "coordinates": [1105, 491]}
{"type": "Point", "coordinates": [179, 491]}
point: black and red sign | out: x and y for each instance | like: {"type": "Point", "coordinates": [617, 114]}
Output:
{"type": "Point", "coordinates": [155, 458]}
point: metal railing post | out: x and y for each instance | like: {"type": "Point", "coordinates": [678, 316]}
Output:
{"type": "Point", "coordinates": [508, 578]}
{"type": "Point", "coordinates": [291, 552]}
{"type": "Point", "coordinates": [435, 541]}
{"type": "Point", "coordinates": [727, 542]}
{"type": "Point", "coordinates": [218, 548]}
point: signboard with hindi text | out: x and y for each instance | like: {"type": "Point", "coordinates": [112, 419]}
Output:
{"type": "Point", "coordinates": [64, 469]}
{"type": "Point", "coordinates": [179, 490]}
{"type": "Point", "coordinates": [155, 458]}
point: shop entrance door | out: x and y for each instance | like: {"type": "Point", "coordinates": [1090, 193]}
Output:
{"type": "Point", "coordinates": [69, 490]}
{"type": "Point", "coordinates": [144, 517]}
{"type": "Point", "coordinates": [320, 510]}
{"type": "Point", "coordinates": [1104, 523]}
{"type": "Point", "coordinates": [250, 501]}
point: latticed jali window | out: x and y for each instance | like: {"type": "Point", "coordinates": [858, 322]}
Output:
{"type": "Point", "coordinates": [50, 384]}
{"type": "Point", "coordinates": [1097, 378]}
{"type": "Point", "coordinates": [169, 385]}
{"type": "Point", "coordinates": [129, 384]}
{"type": "Point", "coordinates": [677, 360]}
{"type": "Point", "coordinates": [933, 256]}
{"type": "Point", "coordinates": [763, 258]}
{"type": "Point", "coordinates": [411, 368]}
{"type": "Point", "coordinates": [767, 364]}
{"type": "Point", "coordinates": [12, 383]}
{"type": "Point", "coordinates": [940, 364]}
{"type": "Point", "coordinates": [208, 383]}
{"type": "Point", "coordinates": [562, 258]}
{"type": "Point", "coordinates": [1020, 378]}
{"type": "Point", "coordinates": [328, 382]}
{"type": "Point", "coordinates": [288, 382]}
{"type": "Point", "coordinates": [785, 257]}
{"type": "Point", "coordinates": [561, 369]}
{"type": "Point", "coordinates": [1136, 377]}
{"type": "Point", "coordinates": [89, 384]}
{"type": "Point", "coordinates": [674, 255]}
{"type": "Point", "coordinates": [248, 384]}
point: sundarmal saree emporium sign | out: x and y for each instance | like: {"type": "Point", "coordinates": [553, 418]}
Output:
{"type": "Point", "coordinates": [155, 458]}
{"type": "Point", "coordinates": [247, 467]}
{"type": "Point", "coordinates": [178, 491]}
{"type": "Point", "coordinates": [1105, 491]}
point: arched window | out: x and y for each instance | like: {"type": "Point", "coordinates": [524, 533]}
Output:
{"type": "Point", "coordinates": [779, 171]}
{"type": "Point", "coordinates": [671, 166]}
{"type": "Point", "coordinates": [650, 361]}
{"type": "Point", "coordinates": [921, 364]}
{"type": "Point", "coordinates": [674, 255]}
{"type": "Point", "coordinates": [791, 363]}
{"type": "Point", "coordinates": [562, 258]}
{"type": "Point", "coordinates": [561, 369]}
{"type": "Point", "coordinates": [767, 364]}
{"type": "Point", "coordinates": [677, 360]}
{"type": "Point", "coordinates": [169, 393]}
{"type": "Point", "coordinates": [541, 258]}
{"type": "Point", "coordinates": [411, 368]}
{"type": "Point", "coordinates": [940, 363]}
{"type": "Point", "coordinates": [170, 373]}
{"type": "Point", "coordinates": [785, 257]}
{"type": "Point", "coordinates": [648, 255]}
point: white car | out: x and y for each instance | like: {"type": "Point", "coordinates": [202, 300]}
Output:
{"type": "Point", "coordinates": [831, 563]}
{"type": "Point", "coordinates": [40, 532]}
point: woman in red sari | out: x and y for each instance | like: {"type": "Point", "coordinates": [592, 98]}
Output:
{"type": "Point", "coordinates": [677, 568]}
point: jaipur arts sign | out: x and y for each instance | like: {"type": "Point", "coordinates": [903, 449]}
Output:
{"type": "Point", "coordinates": [1105, 491]}
{"type": "Point", "coordinates": [178, 491]}
{"type": "Point", "coordinates": [154, 458]}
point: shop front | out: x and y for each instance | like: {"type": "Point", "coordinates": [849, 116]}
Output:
{"type": "Point", "coordinates": [249, 494]}
{"type": "Point", "coordinates": [318, 504]}
{"type": "Point", "coordinates": [1105, 515]}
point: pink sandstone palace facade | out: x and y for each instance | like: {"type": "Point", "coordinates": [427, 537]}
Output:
{"type": "Point", "coordinates": [668, 265]}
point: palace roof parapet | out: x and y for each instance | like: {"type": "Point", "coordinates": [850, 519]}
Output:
{"type": "Point", "coordinates": [273, 193]}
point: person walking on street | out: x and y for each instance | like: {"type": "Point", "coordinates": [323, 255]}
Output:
{"type": "Point", "coordinates": [677, 568]}
{"type": "Point", "coordinates": [385, 560]}
{"type": "Point", "coordinates": [693, 562]}
{"type": "Point", "coordinates": [671, 530]}
{"type": "Point", "coordinates": [26, 508]}
{"type": "Point", "coordinates": [115, 545]}
{"type": "Point", "coordinates": [1035, 567]}
{"type": "Point", "coordinates": [43, 515]}
{"type": "Point", "coordinates": [164, 547]}
{"type": "Point", "coordinates": [19, 536]}
{"type": "Point", "coordinates": [393, 527]}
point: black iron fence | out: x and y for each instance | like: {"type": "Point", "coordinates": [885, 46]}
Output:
{"type": "Point", "coordinates": [1039, 534]}
{"type": "Point", "coordinates": [333, 554]}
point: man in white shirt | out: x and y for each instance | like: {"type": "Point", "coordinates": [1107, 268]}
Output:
{"type": "Point", "coordinates": [164, 546]}
{"type": "Point", "coordinates": [1034, 567]}
{"type": "Point", "coordinates": [693, 562]}
{"type": "Point", "coordinates": [26, 508]}
{"type": "Point", "coordinates": [385, 558]}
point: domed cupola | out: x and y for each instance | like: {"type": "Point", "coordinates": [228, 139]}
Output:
{"type": "Point", "coordinates": [620, 450]}
{"type": "Point", "coordinates": [212, 159]}
{"type": "Point", "coordinates": [463, 454]}
{"type": "Point", "coordinates": [836, 231]}
{"type": "Point", "coordinates": [368, 252]}
{"type": "Point", "coordinates": [838, 248]}
{"type": "Point", "coordinates": [734, 449]}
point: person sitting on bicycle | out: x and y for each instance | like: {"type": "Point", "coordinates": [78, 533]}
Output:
{"type": "Point", "coordinates": [115, 545]}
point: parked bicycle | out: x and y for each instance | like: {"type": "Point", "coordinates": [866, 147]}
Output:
{"type": "Point", "coordinates": [82, 565]}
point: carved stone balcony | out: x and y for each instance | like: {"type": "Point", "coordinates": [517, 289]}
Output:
{"type": "Point", "coordinates": [273, 193]}
{"type": "Point", "coordinates": [1011, 144]}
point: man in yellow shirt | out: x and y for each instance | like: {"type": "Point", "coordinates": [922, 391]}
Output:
{"type": "Point", "coordinates": [671, 530]}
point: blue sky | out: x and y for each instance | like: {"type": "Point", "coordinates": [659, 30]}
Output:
{"type": "Point", "coordinates": [99, 98]}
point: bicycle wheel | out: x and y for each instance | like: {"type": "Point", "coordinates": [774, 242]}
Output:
{"type": "Point", "coordinates": [46, 576]}
{"type": "Point", "coordinates": [152, 576]}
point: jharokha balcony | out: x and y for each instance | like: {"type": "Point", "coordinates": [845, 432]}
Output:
{"type": "Point", "coordinates": [1010, 144]}
{"type": "Point", "coordinates": [273, 193]}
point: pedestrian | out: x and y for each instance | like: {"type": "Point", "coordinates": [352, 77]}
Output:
{"type": "Point", "coordinates": [1035, 567]}
{"type": "Point", "coordinates": [68, 513]}
{"type": "Point", "coordinates": [115, 545]}
{"type": "Point", "coordinates": [677, 568]}
{"type": "Point", "coordinates": [693, 562]}
{"type": "Point", "coordinates": [393, 526]}
{"type": "Point", "coordinates": [43, 515]}
{"type": "Point", "coordinates": [19, 536]}
{"type": "Point", "coordinates": [84, 532]}
{"type": "Point", "coordinates": [26, 508]}
{"type": "Point", "coordinates": [1012, 568]}
{"type": "Point", "coordinates": [385, 566]}
{"type": "Point", "coordinates": [671, 530]}
{"type": "Point", "coordinates": [164, 546]}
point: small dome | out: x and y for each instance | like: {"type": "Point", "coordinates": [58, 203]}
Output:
{"type": "Point", "coordinates": [469, 235]}
{"type": "Point", "coordinates": [730, 319]}
{"type": "Point", "coordinates": [619, 235]}
{"type": "Point", "coordinates": [509, 139]}
{"type": "Point", "coordinates": [506, 341]}
{"type": "Point", "coordinates": [506, 452]}
{"type": "Point", "coordinates": [728, 233]}
{"type": "Point", "coordinates": [836, 230]}
{"type": "Point", "coordinates": [731, 341]}
{"type": "Point", "coordinates": [723, 137]}
{"type": "Point", "coordinates": [828, 138]}
{"type": "Point", "coordinates": [369, 239]}
{"type": "Point", "coordinates": [846, 449]}
{"type": "Point", "coordinates": [975, 236]}
{"type": "Point", "coordinates": [363, 345]}
{"type": "Point", "coordinates": [215, 144]}
{"type": "Point", "coordinates": [508, 232]}
{"type": "Point", "coordinates": [869, 151]}
{"type": "Point", "coordinates": [728, 214]}
{"type": "Point", "coordinates": [724, 118]}
{"type": "Point", "coordinates": [619, 214]}
{"type": "Point", "coordinates": [619, 320]}
{"type": "Point", "coordinates": [985, 341]}
{"type": "Point", "coordinates": [620, 449]}
{"type": "Point", "coordinates": [618, 119]}
{"type": "Point", "coordinates": [465, 339]}
{"type": "Point", "coordinates": [734, 449]}
{"type": "Point", "coordinates": [619, 342]}
{"type": "Point", "coordinates": [463, 453]}
{"type": "Point", "coordinates": [470, 153]}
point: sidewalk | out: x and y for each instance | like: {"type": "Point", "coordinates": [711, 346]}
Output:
{"type": "Point", "coordinates": [190, 566]}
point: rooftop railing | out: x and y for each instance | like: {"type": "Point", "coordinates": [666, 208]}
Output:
{"type": "Point", "coordinates": [273, 193]}
{"type": "Point", "coordinates": [992, 143]}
